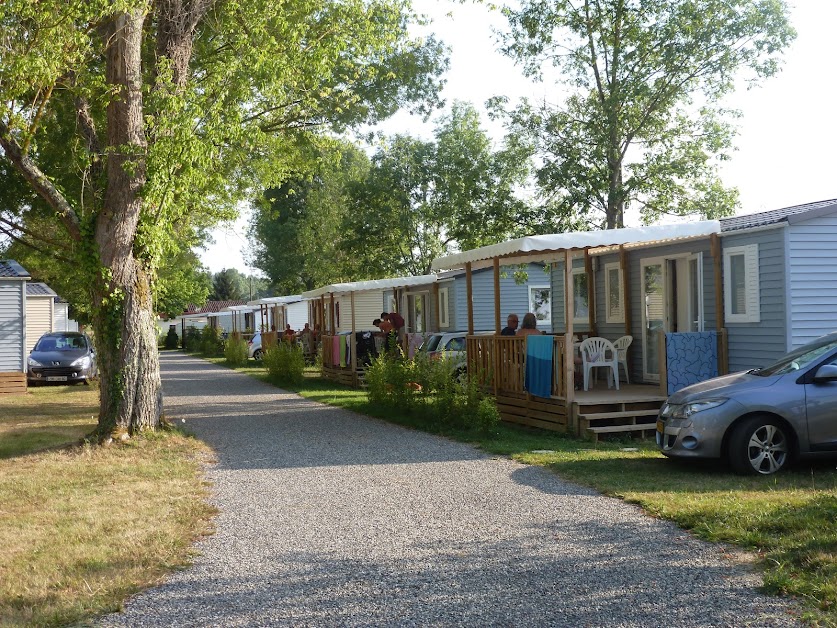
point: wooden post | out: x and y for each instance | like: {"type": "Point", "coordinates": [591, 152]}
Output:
{"type": "Point", "coordinates": [626, 289]}
{"type": "Point", "coordinates": [569, 352]}
{"type": "Point", "coordinates": [437, 305]}
{"type": "Point", "coordinates": [353, 341]}
{"type": "Point", "coordinates": [591, 293]}
{"type": "Point", "coordinates": [723, 352]}
{"type": "Point", "coordinates": [332, 315]}
{"type": "Point", "coordinates": [715, 247]}
{"type": "Point", "coordinates": [469, 298]}
{"type": "Point", "coordinates": [497, 327]}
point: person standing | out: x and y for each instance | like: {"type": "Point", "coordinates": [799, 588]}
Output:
{"type": "Point", "coordinates": [511, 326]}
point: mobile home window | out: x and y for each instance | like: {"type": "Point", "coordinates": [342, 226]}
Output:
{"type": "Point", "coordinates": [581, 296]}
{"type": "Point", "coordinates": [540, 303]}
{"type": "Point", "coordinates": [444, 307]}
{"type": "Point", "coordinates": [741, 284]}
{"type": "Point", "coordinates": [615, 293]}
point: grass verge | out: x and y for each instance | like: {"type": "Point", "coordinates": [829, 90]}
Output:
{"type": "Point", "coordinates": [83, 527]}
{"type": "Point", "coordinates": [788, 521]}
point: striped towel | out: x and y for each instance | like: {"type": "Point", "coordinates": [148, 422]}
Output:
{"type": "Point", "coordinates": [539, 365]}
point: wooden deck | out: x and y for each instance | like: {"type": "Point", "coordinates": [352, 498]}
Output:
{"type": "Point", "coordinates": [13, 383]}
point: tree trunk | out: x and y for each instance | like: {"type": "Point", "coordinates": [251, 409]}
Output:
{"type": "Point", "coordinates": [123, 317]}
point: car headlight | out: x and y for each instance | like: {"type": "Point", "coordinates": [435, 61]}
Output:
{"type": "Point", "coordinates": [83, 362]}
{"type": "Point", "coordinates": [684, 411]}
{"type": "Point", "coordinates": [33, 362]}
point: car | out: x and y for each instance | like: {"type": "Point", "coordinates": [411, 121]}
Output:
{"type": "Point", "coordinates": [62, 357]}
{"type": "Point", "coordinates": [759, 420]}
{"type": "Point", "coordinates": [254, 346]}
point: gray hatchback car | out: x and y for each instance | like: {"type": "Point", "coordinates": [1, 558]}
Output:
{"type": "Point", "coordinates": [761, 419]}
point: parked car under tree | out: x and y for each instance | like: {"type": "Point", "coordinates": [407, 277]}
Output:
{"type": "Point", "coordinates": [759, 420]}
{"type": "Point", "coordinates": [62, 357]}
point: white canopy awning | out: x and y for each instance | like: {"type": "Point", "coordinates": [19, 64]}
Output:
{"type": "Point", "coordinates": [372, 284]}
{"type": "Point", "coordinates": [293, 298]}
{"type": "Point", "coordinates": [523, 249]}
{"type": "Point", "coordinates": [240, 308]}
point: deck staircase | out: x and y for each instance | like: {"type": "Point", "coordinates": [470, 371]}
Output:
{"type": "Point", "coordinates": [635, 416]}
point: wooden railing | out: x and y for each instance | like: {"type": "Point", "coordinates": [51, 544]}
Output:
{"type": "Point", "coordinates": [499, 363]}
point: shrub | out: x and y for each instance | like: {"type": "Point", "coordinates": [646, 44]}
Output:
{"type": "Point", "coordinates": [285, 362]}
{"type": "Point", "coordinates": [235, 351]}
{"type": "Point", "coordinates": [430, 391]}
{"type": "Point", "coordinates": [211, 344]}
{"type": "Point", "coordinates": [172, 340]}
{"type": "Point", "coordinates": [192, 339]}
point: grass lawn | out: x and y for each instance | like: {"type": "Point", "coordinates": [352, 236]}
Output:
{"type": "Point", "coordinates": [82, 527]}
{"type": "Point", "coordinates": [789, 521]}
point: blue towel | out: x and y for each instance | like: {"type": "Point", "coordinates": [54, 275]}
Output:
{"type": "Point", "coordinates": [539, 365]}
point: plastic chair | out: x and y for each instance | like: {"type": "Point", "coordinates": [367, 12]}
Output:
{"type": "Point", "coordinates": [621, 345]}
{"type": "Point", "coordinates": [597, 352]}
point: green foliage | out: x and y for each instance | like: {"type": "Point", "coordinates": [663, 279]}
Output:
{"type": "Point", "coordinates": [431, 391]}
{"type": "Point", "coordinates": [643, 124]}
{"type": "Point", "coordinates": [421, 197]}
{"type": "Point", "coordinates": [211, 343]}
{"type": "Point", "coordinates": [296, 232]}
{"type": "Point", "coordinates": [192, 339]}
{"type": "Point", "coordinates": [172, 340]}
{"type": "Point", "coordinates": [235, 351]}
{"type": "Point", "coordinates": [225, 286]}
{"type": "Point", "coordinates": [284, 362]}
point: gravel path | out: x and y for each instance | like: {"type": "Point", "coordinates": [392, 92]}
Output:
{"type": "Point", "coordinates": [329, 518]}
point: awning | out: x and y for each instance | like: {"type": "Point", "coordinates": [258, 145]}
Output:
{"type": "Point", "coordinates": [293, 298]}
{"type": "Point", "coordinates": [527, 249]}
{"type": "Point", "coordinates": [372, 284]}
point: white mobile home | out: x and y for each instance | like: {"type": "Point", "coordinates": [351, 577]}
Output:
{"type": "Point", "coordinates": [13, 280]}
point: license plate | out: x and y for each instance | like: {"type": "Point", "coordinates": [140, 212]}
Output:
{"type": "Point", "coordinates": [660, 426]}
{"type": "Point", "coordinates": [57, 378]}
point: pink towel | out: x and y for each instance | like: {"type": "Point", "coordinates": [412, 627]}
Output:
{"type": "Point", "coordinates": [335, 350]}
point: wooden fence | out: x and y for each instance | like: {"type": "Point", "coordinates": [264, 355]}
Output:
{"type": "Point", "coordinates": [499, 363]}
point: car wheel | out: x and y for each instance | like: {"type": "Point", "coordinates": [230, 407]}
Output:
{"type": "Point", "coordinates": [257, 354]}
{"type": "Point", "coordinates": [759, 445]}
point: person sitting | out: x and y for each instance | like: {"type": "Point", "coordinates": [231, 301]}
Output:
{"type": "Point", "coordinates": [529, 326]}
{"type": "Point", "coordinates": [511, 326]}
{"type": "Point", "coordinates": [289, 333]}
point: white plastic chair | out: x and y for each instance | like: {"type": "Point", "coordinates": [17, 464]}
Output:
{"type": "Point", "coordinates": [621, 345]}
{"type": "Point", "coordinates": [596, 352]}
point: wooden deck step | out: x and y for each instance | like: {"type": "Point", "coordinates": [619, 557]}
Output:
{"type": "Point", "coordinates": [611, 429]}
{"type": "Point", "coordinates": [626, 414]}
{"type": "Point", "coordinates": [614, 429]}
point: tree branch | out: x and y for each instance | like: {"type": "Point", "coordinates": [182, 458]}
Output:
{"type": "Point", "coordinates": [43, 251]}
{"type": "Point", "coordinates": [40, 182]}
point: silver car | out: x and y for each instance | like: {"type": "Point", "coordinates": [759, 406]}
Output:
{"type": "Point", "coordinates": [759, 420]}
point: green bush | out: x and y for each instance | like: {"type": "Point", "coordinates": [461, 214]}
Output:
{"type": "Point", "coordinates": [430, 391]}
{"type": "Point", "coordinates": [235, 351]}
{"type": "Point", "coordinates": [171, 339]}
{"type": "Point", "coordinates": [211, 344]}
{"type": "Point", "coordinates": [285, 363]}
{"type": "Point", "coordinates": [192, 339]}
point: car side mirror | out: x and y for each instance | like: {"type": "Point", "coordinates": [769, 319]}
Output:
{"type": "Point", "coordinates": [826, 373]}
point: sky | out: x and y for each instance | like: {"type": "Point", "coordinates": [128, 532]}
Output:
{"type": "Point", "coordinates": [787, 131]}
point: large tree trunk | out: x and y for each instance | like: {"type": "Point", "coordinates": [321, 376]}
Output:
{"type": "Point", "coordinates": [123, 317]}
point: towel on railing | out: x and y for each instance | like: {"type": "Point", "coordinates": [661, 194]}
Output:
{"type": "Point", "coordinates": [342, 350]}
{"type": "Point", "coordinates": [335, 350]}
{"type": "Point", "coordinates": [539, 365]}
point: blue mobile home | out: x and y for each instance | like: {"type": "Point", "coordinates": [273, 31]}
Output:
{"type": "Point", "coordinates": [523, 288]}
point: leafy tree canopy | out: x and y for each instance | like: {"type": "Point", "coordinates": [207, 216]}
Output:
{"type": "Point", "coordinates": [643, 123]}
{"type": "Point", "coordinates": [140, 124]}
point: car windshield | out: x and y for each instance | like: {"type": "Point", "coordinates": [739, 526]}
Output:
{"type": "Point", "coordinates": [61, 343]}
{"type": "Point", "coordinates": [800, 358]}
{"type": "Point", "coordinates": [431, 343]}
